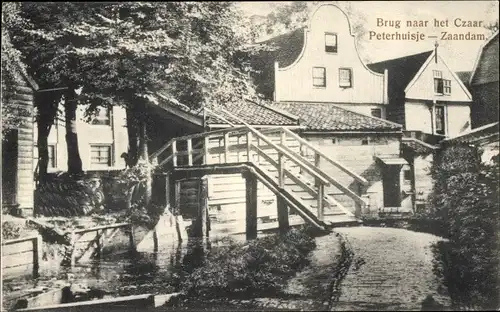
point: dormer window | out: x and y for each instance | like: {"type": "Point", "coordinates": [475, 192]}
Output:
{"type": "Point", "coordinates": [345, 77]}
{"type": "Point", "coordinates": [331, 43]}
{"type": "Point", "coordinates": [438, 81]}
{"type": "Point", "coordinates": [319, 77]}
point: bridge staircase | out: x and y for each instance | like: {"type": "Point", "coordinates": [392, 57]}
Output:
{"type": "Point", "coordinates": [282, 161]}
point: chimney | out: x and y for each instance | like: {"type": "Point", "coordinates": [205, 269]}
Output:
{"type": "Point", "coordinates": [436, 45]}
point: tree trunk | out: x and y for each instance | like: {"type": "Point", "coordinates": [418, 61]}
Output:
{"type": "Point", "coordinates": [47, 106]}
{"type": "Point", "coordinates": [74, 159]}
{"type": "Point", "coordinates": [133, 137]}
{"type": "Point", "coordinates": [143, 151]}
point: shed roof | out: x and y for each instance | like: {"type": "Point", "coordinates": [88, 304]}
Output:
{"type": "Point", "coordinates": [319, 116]}
{"type": "Point", "coordinates": [486, 66]}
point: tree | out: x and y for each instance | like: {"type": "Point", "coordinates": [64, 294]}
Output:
{"type": "Point", "coordinates": [465, 200]}
{"type": "Point", "coordinates": [126, 52]}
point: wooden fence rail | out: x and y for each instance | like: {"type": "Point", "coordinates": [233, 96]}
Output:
{"type": "Point", "coordinates": [21, 256]}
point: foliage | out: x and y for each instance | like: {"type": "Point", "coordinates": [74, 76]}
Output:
{"type": "Point", "coordinates": [288, 16]}
{"type": "Point", "coordinates": [260, 267]}
{"type": "Point", "coordinates": [465, 200]}
{"type": "Point", "coordinates": [10, 230]}
{"type": "Point", "coordinates": [118, 51]}
{"type": "Point", "coordinates": [131, 184]}
{"type": "Point", "coordinates": [11, 69]}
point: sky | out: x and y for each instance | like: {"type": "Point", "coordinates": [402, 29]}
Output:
{"type": "Point", "coordinates": [459, 55]}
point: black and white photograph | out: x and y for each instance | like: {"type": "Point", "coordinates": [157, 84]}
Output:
{"type": "Point", "coordinates": [250, 156]}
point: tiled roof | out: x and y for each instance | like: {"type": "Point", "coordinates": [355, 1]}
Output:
{"type": "Point", "coordinates": [401, 70]}
{"type": "Point", "coordinates": [254, 114]}
{"type": "Point", "coordinates": [417, 146]}
{"type": "Point", "coordinates": [479, 135]}
{"type": "Point", "coordinates": [486, 68]}
{"type": "Point", "coordinates": [250, 112]}
{"type": "Point", "coordinates": [331, 117]}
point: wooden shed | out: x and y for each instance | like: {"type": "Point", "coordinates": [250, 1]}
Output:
{"type": "Point", "coordinates": [17, 150]}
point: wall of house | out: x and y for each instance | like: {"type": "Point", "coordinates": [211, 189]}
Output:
{"type": "Point", "coordinates": [420, 117]}
{"type": "Point", "coordinates": [365, 109]}
{"type": "Point", "coordinates": [114, 135]}
{"type": "Point", "coordinates": [17, 165]}
{"type": "Point", "coordinates": [423, 180]}
{"type": "Point", "coordinates": [295, 83]}
{"type": "Point", "coordinates": [486, 103]}
{"type": "Point", "coordinates": [423, 86]}
{"type": "Point", "coordinates": [348, 150]}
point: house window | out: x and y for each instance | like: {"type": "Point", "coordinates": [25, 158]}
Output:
{"type": "Point", "coordinates": [377, 112]}
{"type": "Point", "coordinates": [345, 77]}
{"type": "Point", "coordinates": [331, 43]}
{"type": "Point", "coordinates": [100, 155]}
{"type": "Point", "coordinates": [438, 81]}
{"type": "Point", "coordinates": [319, 76]}
{"type": "Point", "coordinates": [440, 120]}
{"type": "Point", "coordinates": [407, 174]}
{"type": "Point", "coordinates": [52, 156]}
{"type": "Point", "coordinates": [446, 86]}
{"type": "Point", "coordinates": [103, 116]}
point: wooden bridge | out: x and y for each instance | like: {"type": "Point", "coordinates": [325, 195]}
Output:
{"type": "Point", "coordinates": [278, 158]}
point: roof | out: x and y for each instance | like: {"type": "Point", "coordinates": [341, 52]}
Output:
{"type": "Point", "coordinates": [250, 112]}
{"type": "Point", "coordinates": [485, 134]}
{"type": "Point", "coordinates": [331, 117]}
{"type": "Point", "coordinates": [401, 70]}
{"type": "Point", "coordinates": [287, 46]}
{"type": "Point", "coordinates": [417, 146]}
{"type": "Point", "coordinates": [464, 77]}
{"type": "Point", "coordinates": [255, 114]}
{"type": "Point", "coordinates": [486, 66]}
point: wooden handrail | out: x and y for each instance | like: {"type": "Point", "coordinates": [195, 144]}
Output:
{"type": "Point", "coordinates": [304, 165]}
{"type": "Point", "coordinates": [194, 136]}
{"type": "Point", "coordinates": [332, 161]}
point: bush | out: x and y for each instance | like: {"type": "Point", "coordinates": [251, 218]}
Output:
{"type": "Point", "coordinates": [259, 267]}
{"type": "Point", "coordinates": [465, 200]}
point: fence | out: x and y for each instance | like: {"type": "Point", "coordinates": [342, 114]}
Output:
{"type": "Point", "coordinates": [21, 256]}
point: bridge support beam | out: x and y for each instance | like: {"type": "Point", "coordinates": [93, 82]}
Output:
{"type": "Point", "coordinates": [251, 206]}
{"type": "Point", "coordinates": [283, 222]}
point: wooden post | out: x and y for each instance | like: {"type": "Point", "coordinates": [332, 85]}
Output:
{"type": "Point", "coordinates": [73, 246]}
{"type": "Point", "coordinates": [155, 241]}
{"type": "Point", "coordinates": [37, 249]}
{"type": "Point", "coordinates": [226, 147]}
{"type": "Point", "coordinates": [205, 150]}
{"type": "Point", "coordinates": [251, 206]}
{"type": "Point", "coordinates": [167, 191]}
{"type": "Point", "coordinates": [249, 146]}
{"type": "Point", "coordinates": [190, 152]}
{"type": "Point", "coordinates": [174, 153]}
{"type": "Point", "coordinates": [177, 198]}
{"type": "Point", "coordinates": [321, 194]}
{"type": "Point", "coordinates": [281, 170]}
{"type": "Point", "coordinates": [131, 238]}
{"type": "Point", "coordinates": [201, 228]}
{"type": "Point", "coordinates": [283, 221]}
{"type": "Point", "coordinates": [99, 243]}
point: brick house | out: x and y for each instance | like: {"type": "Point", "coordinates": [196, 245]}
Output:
{"type": "Point", "coordinates": [17, 148]}
{"type": "Point", "coordinates": [484, 84]}
{"type": "Point", "coordinates": [316, 74]}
